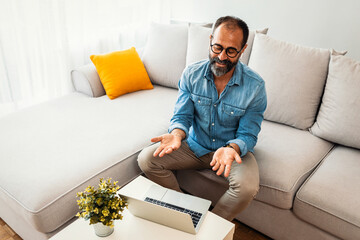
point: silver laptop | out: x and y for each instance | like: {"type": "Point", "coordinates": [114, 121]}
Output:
{"type": "Point", "coordinates": [170, 208]}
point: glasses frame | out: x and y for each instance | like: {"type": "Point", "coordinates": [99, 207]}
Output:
{"type": "Point", "coordinates": [226, 50]}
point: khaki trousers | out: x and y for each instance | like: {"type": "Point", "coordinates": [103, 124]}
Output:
{"type": "Point", "coordinates": [243, 179]}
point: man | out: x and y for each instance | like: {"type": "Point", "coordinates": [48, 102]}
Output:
{"type": "Point", "coordinates": [216, 121]}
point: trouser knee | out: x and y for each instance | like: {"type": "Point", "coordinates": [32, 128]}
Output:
{"type": "Point", "coordinates": [244, 180]}
{"type": "Point", "coordinates": [145, 159]}
{"type": "Point", "coordinates": [243, 191]}
{"type": "Point", "coordinates": [249, 192]}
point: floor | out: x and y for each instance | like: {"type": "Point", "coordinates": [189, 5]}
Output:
{"type": "Point", "coordinates": [242, 232]}
{"type": "Point", "coordinates": [6, 233]}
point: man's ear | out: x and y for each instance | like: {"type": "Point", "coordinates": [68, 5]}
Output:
{"type": "Point", "coordinates": [243, 49]}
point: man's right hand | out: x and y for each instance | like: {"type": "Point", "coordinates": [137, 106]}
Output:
{"type": "Point", "coordinates": [169, 142]}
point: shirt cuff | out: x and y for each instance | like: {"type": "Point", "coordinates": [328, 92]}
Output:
{"type": "Point", "coordinates": [242, 145]}
{"type": "Point", "coordinates": [179, 126]}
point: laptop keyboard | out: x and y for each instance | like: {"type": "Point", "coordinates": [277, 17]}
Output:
{"type": "Point", "coordinates": [195, 216]}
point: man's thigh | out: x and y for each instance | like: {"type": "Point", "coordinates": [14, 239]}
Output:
{"type": "Point", "coordinates": [182, 158]}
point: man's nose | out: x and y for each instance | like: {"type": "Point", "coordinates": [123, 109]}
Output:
{"type": "Point", "coordinates": [222, 56]}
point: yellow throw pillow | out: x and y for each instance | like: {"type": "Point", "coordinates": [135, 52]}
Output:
{"type": "Point", "coordinates": [121, 72]}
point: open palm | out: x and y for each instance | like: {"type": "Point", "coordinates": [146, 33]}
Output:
{"type": "Point", "coordinates": [169, 143]}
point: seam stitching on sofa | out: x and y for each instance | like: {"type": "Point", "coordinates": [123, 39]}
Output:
{"type": "Point", "coordinates": [62, 195]}
{"type": "Point", "coordinates": [320, 164]}
{"type": "Point", "coordinates": [297, 180]}
{"type": "Point", "coordinates": [314, 167]}
{"type": "Point", "coordinates": [326, 211]}
{"type": "Point", "coordinates": [92, 176]}
{"type": "Point", "coordinates": [297, 196]}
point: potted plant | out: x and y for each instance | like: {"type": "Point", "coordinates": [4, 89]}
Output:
{"type": "Point", "coordinates": [101, 206]}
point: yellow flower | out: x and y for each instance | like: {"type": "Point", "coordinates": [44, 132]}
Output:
{"type": "Point", "coordinates": [102, 185]}
{"type": "Point", "coordinates": [103, 209]}
{"type": "Point", "coordinates": [99, 201]}
{"type": "Point", "coordinates": [105, 212]}
{"type": "Point", "coordinates": [88, 200]}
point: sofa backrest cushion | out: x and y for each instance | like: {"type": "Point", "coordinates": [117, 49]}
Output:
{"type": "Point", "coordinates": [199, 41]}
{"type": "Point", "coordinates": [339, 115]}
{"type": "Point", "coordinates": [294, 76]}
{"type": "Point", "coordinates": [164, 54]}
{"type": "Point", "coordinates": [245, 57]}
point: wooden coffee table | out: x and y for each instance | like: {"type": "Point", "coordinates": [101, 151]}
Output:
{"type": "Point", "coordinates": [134, 228]}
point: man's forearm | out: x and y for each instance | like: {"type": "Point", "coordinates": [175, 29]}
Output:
{"type": "Point", "coordinates": [179, 133]}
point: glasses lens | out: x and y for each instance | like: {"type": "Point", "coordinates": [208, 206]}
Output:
{"type": "Point", "coordinates": [231, 52]}
{"type": "Point", "coordinates": [216, 48]}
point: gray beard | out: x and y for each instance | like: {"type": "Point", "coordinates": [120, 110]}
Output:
{"type": "Point", "coordinates": [220, 71]}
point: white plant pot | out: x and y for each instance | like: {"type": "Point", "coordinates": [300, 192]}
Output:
{"type": "Point", "coordinates": [102, 230]}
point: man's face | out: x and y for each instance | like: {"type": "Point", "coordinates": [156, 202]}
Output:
{"type": "Point", "coordinates": [226, 38]}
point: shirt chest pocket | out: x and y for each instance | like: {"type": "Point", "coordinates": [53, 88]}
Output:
{"type": "Point", "coordinates": [230, 115]}
{"type": "Point", "coordinates": [202, 108]}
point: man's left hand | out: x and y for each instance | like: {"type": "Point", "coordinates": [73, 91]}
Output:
{"type": "Point", "coordinates": [222, 160]}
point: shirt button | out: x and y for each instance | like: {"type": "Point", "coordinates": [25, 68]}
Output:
{"type": "Point", "coordinates": [199, 101]}
{"type": "Point", "coordinates": [214, 105]}
{"type": "Point", "coordinates": [214, 140]}
{"type": "Point", "coordinates": [213, 124]}
{"type": "Point", "coordinates": [232, 112]}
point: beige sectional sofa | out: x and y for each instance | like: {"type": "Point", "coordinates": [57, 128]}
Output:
{"type": "Point", "coordinates": [308, 149]}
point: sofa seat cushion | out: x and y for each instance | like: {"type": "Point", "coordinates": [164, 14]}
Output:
{"type": "Point", "coordinates": [286, 156]}
{"type": "Point", "coordinates": [53, 150]}
{"type": "Point", "coordinates": [330, 197]}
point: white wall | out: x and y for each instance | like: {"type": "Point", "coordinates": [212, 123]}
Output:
{"type": "Point", "coordinates": [315, 23]}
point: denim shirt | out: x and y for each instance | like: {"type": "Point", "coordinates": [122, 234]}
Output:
{"type": "Point", "coordinates": [210, 121]}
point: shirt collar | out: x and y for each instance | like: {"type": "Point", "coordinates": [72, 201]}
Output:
{"type": "Point", "coordinates": [235, 79]}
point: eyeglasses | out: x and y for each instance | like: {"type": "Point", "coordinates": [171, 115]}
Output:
{"type": "Point", "coordinates": [230, 51]}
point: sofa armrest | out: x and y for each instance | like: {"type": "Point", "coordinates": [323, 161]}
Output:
{"type": "Point", "coordinates": [86, 80]}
